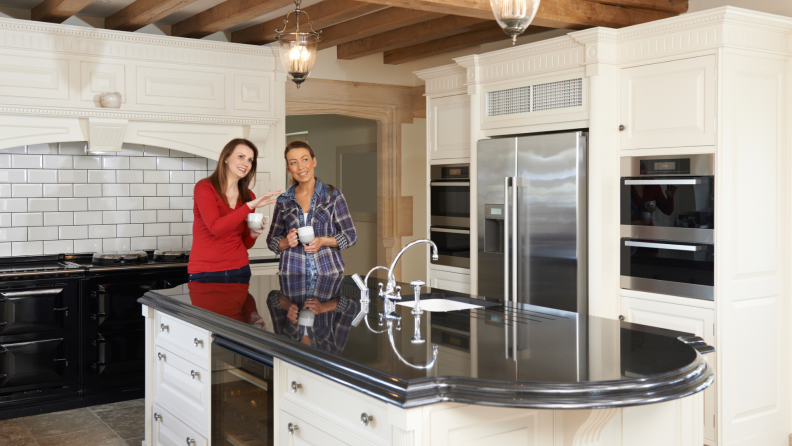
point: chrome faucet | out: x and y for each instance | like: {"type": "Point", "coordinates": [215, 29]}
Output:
{"type": "Point", "coordinates": [392, 291]}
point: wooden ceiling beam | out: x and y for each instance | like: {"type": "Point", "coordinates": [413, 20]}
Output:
{"type": "Point", "coordinates": [371, 24]}
{"type": "Point", "coordinates": [225, 15]}
{"type": "Point", "coordinates": [144, 12]}
{"type": "Point", "coordinates": [566, 14]}
{"type": "Point", "coordinates": [57, 11]}
{"type": "Point", "coordinates": [491, 33]}
{"type": "Point", "coordinates": [325, 13]}
{"type": "Point", "coordinates": [410, 35]}
{"type": "Point", "coordinates": [672, 6]}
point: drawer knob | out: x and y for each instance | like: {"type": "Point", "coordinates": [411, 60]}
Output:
{"type": "Point", "coordinates": [295, 386]}
{"type": "Point", "coordinates": [164, 327]}
{"type": "Point", "coordinates": [366, 419]}
{"type": "Point", "coordinates": [193, 373]}
{"type": "Point", "coordinates": [198, 341]}
{"type": "Point", "coordinates": [190, 441]}
{"type": "Point", "coordinates": [621, 317]}
{"type": "Point", "coordinates": [292, 428]}
{"type": "Point", "coordinates": [621, 127]}
{"type": "Point", "coordinates": [160, 356]}
{"type": "Point", "coordinates": [157, 416]}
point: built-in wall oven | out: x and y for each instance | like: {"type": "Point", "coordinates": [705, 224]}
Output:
{"type": "Point", "coordinates": [667, 225]}
{"type": "Point", "coordinates": [449, 202]}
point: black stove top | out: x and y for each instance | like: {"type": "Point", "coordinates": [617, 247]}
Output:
{"type": "Point", "coordinates": [78, 263]}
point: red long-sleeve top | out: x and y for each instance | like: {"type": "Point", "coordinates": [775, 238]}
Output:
{"type": "Point", "coordinates": [221, 237]}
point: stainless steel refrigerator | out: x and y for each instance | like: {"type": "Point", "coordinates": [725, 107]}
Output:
{"type": "Point", "coordinates": [532, 221]}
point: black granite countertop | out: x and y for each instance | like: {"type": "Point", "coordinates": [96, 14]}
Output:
{"type": "Point", "coordinates": [526, 357]}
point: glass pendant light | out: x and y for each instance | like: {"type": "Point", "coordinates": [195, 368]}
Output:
{"type": "Point", "coordinates": [298, 49]}
{"type": "Point", "coordinates": [514, 16]}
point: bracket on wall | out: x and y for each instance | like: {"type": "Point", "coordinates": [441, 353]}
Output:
{"type": "Point", "coordinates": [106, 134]}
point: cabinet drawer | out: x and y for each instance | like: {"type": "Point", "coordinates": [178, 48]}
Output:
{"type": "Point", "coordinates": [449, 281]}
{"type": "Point", "coordinates": [335, 403]}
{"type": "Point", "coordinates": [188, 340]}
{"type": "Point", "coordinates": [303, 433]}
{"type": "Point", "coordinates": [168, 430]}
{"type": "Point", "coordinates": [184, 390]}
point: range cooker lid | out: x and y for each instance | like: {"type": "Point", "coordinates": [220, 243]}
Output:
{"type": "Point", "coordinates": [162, 254]}
{"type": "Point", "coordinates": [114, 257]}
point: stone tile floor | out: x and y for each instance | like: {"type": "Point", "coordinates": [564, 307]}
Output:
{"type": "Point", "coordinates": [117, 424]}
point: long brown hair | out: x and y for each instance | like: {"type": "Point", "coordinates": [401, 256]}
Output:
{"type": "Point", "coordinates": [300, 145]}
{"type": "Point", "coordinates": [219, 178]}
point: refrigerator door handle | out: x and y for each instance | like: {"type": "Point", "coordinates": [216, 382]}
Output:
{"type": "Point", "coordinates": [516, 182]}
{"type": "Point", "coordinates": [506, 235]}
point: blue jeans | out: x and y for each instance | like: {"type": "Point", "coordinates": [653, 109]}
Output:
{"type": "Point", "coordinates": [239, 275]}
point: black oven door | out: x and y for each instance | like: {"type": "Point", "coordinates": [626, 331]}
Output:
{"type": "Point", "coordinates": [668, 208]}
{"type": "Point", "coordinates": [453, 246]}
{"type": "Point", "coordinates": [677, 268]}
{"type": "Point", "coordinates": [450, 203]}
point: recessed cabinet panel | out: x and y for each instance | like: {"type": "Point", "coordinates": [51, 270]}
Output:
{"type": "Point", "coordinates": [170, 431]}
{"type": "Point", "coordinates": [449, 281]}
{"type": "Point", "coordinates": [183, 389]}
{"type": "Point", "coordinates": [296, 432]}
{"type": "Point", "coordinates": [670, 104]}
{"type": "Point", "coordinates": [699, 321]}
{"type": "Point", "coordinates": [449, 127]}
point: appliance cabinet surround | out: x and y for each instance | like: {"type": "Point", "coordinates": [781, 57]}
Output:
{"type": "Point", "coordinates": [710, 82]}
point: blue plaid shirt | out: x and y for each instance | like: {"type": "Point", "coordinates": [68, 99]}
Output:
{"type": "Point", "coordinates": [329, 216]}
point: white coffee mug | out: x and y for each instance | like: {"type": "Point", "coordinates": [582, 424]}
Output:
{"type": "Point", "coordinates": [306, 317]}
{"type": "Point", "coordinates": [306, 234]}
{"type": "Point", "coordinates": [256, 221]}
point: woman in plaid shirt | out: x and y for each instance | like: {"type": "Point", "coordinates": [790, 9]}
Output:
{"type": "Point", "coordinates": [310, 202]}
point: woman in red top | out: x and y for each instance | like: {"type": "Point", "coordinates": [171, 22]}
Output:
{"type": "Point", "coordinates": [221, 237]}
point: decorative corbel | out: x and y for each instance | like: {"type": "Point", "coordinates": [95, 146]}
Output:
{"type": "Point", "coordinates": [106, 134]}
{"type": "Point", "coordinates": [257, 134]}
{"type": "Point", "coordinates": [600, 47]}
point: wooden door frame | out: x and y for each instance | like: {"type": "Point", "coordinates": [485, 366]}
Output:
{"type": "Point", "coordinates": [390, 106]}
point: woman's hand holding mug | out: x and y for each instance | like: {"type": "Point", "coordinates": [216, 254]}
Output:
{"type": "Point", "coordinates": [292, 238]}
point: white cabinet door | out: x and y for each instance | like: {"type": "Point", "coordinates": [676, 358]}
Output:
{"type": "Point", "coordinates": [700, 321]}
{"type": "Point", "coordinates": [669, 104]}
{"type": "Point", "coordinates": [297, 432]}
{"type": "Point", "coordinates": [184, 389]}
{"type": "Point", "coordinates": [449, 127]}
{"type": "Point", "coordinates": [479, 426]}
{"type": "Point", "coordinates": [449, 281]}
{"type": "Point", "coordinates": [170, 431]}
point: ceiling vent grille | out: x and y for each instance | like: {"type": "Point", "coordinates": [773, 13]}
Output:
{"type": "Point", "coordinates": [549, 96]}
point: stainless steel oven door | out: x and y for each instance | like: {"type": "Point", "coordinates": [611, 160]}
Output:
{"type": "Point", "coordinates": [453, 246]}
{"type": "Point", "coordinates": [450, 203]}
{"type": "Point", "coordinates": [675, 268]}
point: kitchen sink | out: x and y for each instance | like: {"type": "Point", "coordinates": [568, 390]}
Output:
{"type": "Point", "coordinates": [445, 302]}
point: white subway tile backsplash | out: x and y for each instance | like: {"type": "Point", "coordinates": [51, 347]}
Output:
{"type": "Point", "coordinates": [5, 190]}
{"type": "Point", "coordinates": [143, 163]}
{"type": "Point", "coordinates": [101, 231]}
{"type": "Point", "coordinates": [101, 176]}
{"type": "Point", "coordinates": [130, 203]}
{"type": "Point", "coordinates": [5, 160]}
{"type": "Point", "coordinates": [102, 204]}
{"type": "Point", "coordinates": [131, 150]}
{"type": "Point", "coordinates": [129, 176]}
{"type": "Point", "coordinates": [72, 148]}
{"type": "Point", "coordinates": [201, 174]}
{"type": "Point", "coordinates": [115, 190]}
{"type": "Point", "coordinates": [73, 176]}
{"type": "Point", "coordinates": [139, 243]}
{"type": "Point", "coordinates": [73, 232]}
{"type": "Point", "coordinates": [180, 154]}
{"type": "Point", "coordinates": [27, 248]}
{"type": "Point", "coordinates": [58, 190]}
{"type": "Point", "coordinates": [20, 149]}
{"type": "Point", "coordinates": [185, 176]}
{"type": "Point", "coordinates": [13, 176]}
{"type": "Point", "coordinates": [115, 162]}
{"type": "Point", "coordinates": [58, 162]}
{"type": "Point", "coordinates": [87, 190]}
{"type": "Point", "coordinates": [58, 218]}
{"type": "Point", "coordinates": [87, 162]}
{"type": "Point", "coordinates": [5, 249]}
{"type": "Point", "coordinates": [42, 149]}
{"type": "Point", "coordinates": [26, 190]}
{"type": "Point", "coordinates": [188, 190]}
{"type": "Point", "coordinates": [155, 151]}
{"type": "Point", "coordinates": [90, 245]}
{"type": "Point", "coordinates": [188, 215]}
{"type": "Point", "coordinates": [58, 246]}
{"type": "Point", "coordinates": [181, 228]}
{"type": "Point", "coordinates": [169, 216]}
{"type": "Point", "coordinates": [194, 164]}
{"type": "Point", "coordinates": [27, 162]}
{"type": "Point", "coordinates": [43, 233]}
{"type": "Point", "coordinates": [134, 230]}
{"type": "Point", "coordinates": [143, 190]}
{"type": "Point", "coordinates": [13, 234]}
{"type": "Point", "coordinates": [153, 176]}
{"type": "Point", "coordinates": [88, 218]}
{"type": "Point", "coordinates": [116, 244]}
{"type": "Point", "coordinates": [143, 216]}
{"type": "Point", "coordinates": [164, 163]}
{"type": "Point", "coordinates": [13, 205]}
{"type": "Point", "coordinates": [27, 219]}
{"type": "Point", "coordinates": [115, 217]}
{"type": "Point", "coordinates": [156, 203]}
{"type": "Point", "coordinates": [169, 190]}
{"type": "Point", "coordinates": [42, 176]}
{"type": "Point", "coordinates": [172, 242]}
{"type": "Point", "coordinates": [72, 204]}
{"type": "Point", "coordinates": [187, 241]}
{"type": "Point", "coordinates": [181, 202]}
{"type": "Point", "coordinates": [42, 204]}
{"type": "Point", "coordinates": [210, 165]}
{"type": "Point", "coordinates": [5, 221]}
{"type": "Point", "coordinates": [154, 229]}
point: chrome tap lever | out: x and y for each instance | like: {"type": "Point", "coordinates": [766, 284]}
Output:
{"type": "Point", "coordinates": [417, 284]}
{"type": "Point", "coordinates": [397, 295]}
{"type": "Point", "coordinates": [416, 339]}
{"type": "Point", "coordinates": [398, 322]}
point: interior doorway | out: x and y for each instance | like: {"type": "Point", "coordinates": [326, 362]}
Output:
{"type": "Point", "coordinates": [346, 155]}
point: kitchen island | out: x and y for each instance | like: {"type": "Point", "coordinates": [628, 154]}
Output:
{"type": "Point", "coordinates": [227, 364]}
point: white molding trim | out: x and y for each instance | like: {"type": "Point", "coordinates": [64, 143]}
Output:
{"type": "Point", "coordinates": [134, 116]}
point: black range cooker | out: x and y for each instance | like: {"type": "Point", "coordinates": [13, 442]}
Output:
{"type": "Point", "coordinates": [71, 329]}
